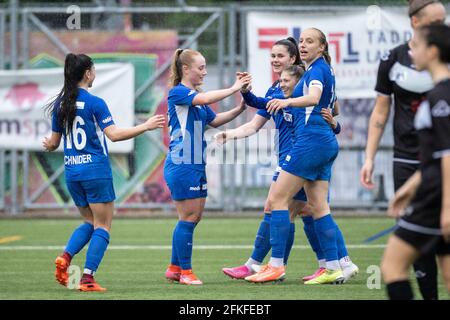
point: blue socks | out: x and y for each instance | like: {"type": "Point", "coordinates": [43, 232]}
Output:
{"type": "Point", "coordinates": [183, 237]}
{"type": "Point", "coordinates": [289, 242]}
{"type": "Point", "coordinates": [310, 231]}
{"type": "Point", "coordinates": [79, 238]}
{"type": "Point", "coordinates": [342, 249]}
{"type": "Point", "coordinates": [174, 260]}
{"type": "Point", "coordinates": [96, 250]}
{"type": "Point", "coordinates": [279, 232]}
{"type": "Point", "coordinates": [327, 234]}
{"type": "Point", "coordinates": [262, 241]}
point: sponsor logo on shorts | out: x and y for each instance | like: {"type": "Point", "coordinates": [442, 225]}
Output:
{"type": "Point", "coordinates": [198, 188]}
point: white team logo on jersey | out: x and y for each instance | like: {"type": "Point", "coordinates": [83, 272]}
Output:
{"type": "Point", "coordinates": [441, 109]}
{"type": "Point", "coordinates": [80, 105]}
{"type": "Point", "coordinates": [191, 92]}
{"type": "Point", "coordinates": [107, 119]}
{"type": "Point", "coordinates": [385, 56]}
{"type": "Point", "coordinates": [287, 116]}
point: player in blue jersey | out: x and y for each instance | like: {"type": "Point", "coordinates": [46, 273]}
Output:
{"type": "Point", "coordinates": [184, 168]}
{"type": "Point", "coordinates": [284, 53]}
{"type": "Point", "coordinates": [308, 164]}
{"type": "Point", "coordinates": [82, 119]}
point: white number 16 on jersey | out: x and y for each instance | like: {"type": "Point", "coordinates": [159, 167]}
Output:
{"type": "Point", "coordinates": [79, 145]}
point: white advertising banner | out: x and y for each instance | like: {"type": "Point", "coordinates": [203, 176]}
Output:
{"type": "Point", "coordinates": [357, 40]}
{"type": "Point", "coordinates": [23, 94]}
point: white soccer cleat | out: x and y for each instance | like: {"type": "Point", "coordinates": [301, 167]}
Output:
{"type": "Point", "coordinates": [350, 272]}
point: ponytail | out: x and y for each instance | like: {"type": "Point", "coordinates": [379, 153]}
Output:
{"type": "Point", "coordinates": [326, 54]}
{"type": "Point", "coordinates": [180, 57]}
{"type": "Point", "coordinates": [64, 104]}
{"type": "Point", "coordinates": [176, 72]}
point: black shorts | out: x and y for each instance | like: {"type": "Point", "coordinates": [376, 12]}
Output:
{"type": "Point", "coordinates": [402, 172]}
{"type": "Point", "coordinates": [424, 243]}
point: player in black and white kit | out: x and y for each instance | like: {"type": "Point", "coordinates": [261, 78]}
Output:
{"type": "Point", "coordinates": [398, 76]}
{"type": "Point", "coordinates": [424, 225]}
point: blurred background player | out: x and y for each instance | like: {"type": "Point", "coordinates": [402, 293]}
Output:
{"type": "Point", "coordinates": [398, 76]}
{"type": "Point", "coordinates": [81, 118]}
{"type": "Point", "coordinates": [424, 226]}
{"type": "Point", "coordinates": [184, 168]}
{"type": "Point", "coordinates": [308, 163]}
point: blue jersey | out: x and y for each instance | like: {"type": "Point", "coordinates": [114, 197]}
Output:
{"type": "Point", "coordinates": [309, 120]}
{"type": "Point", "coordinates": [187, 124]}
{"type": "Point", "coordinates": [283, 120]}
{"type": "Point", "coordinates": [85, 149]}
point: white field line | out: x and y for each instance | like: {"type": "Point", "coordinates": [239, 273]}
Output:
{"type": "Point", "coordinates": [167, 247]}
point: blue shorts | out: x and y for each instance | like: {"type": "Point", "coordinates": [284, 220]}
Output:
{"type": "Point", "coordinates": [185, 183]}
{"type": "Point", "coordinates": [312, 160]}
{"type": "Point", "coordinates": [300, 196]}
{"type": "Point", "coordinates": [91, 191]}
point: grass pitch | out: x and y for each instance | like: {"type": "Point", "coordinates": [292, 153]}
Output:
{"type": "Point", "coordinates": [133, 267]}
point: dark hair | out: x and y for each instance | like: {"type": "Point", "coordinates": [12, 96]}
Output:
{"type": "Point", "coordinates": [292, 47]}
{"type": "Point", "coordinates": [438, 35]}
{"type": "Point", "coordinates": [323, 40]}
{"type": "Point", "coordinates": [75, 66]}
{"type": "Point", "coordinates": [295, 70]}
{"type": "Point", "coordinates": [416, 6]}
{"type": "Point", "coordinates": [180, 57]}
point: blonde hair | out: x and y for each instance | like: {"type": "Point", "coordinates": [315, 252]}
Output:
{"type": "Point", "coordinates": [323, 40]}
{"type": "Point", "coordinates": [181, 57]}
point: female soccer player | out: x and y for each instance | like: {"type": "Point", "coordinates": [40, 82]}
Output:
{"type": "Point", "coordinates": [424, 224]}
{"type": "Point", "coordinates": [81, 119]}
{"type": "Point", "coordinates": [184, 169]}
{"type": "Point", "coordinates": [408, 91]}
{"type": "Point", "coordinates": [284, 54]}
{"type": "Point", "coordinates": [308, 163]}
{"type": "Point", "coordinates": [283, 122]}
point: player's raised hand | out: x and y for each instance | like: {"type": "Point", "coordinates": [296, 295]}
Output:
{"type": "Point", "coordinates": [220, 137]}
{"type": "Point", "coordinates": [247, 87]}
{"type": "Point", "coordinates": [155, 122]}
{"type": "Point", "coordinates": [275, 105]}
{"type": "Point", "coordinates": [365, 175]}
{"type": "Point", "coordinates": [242, 81]}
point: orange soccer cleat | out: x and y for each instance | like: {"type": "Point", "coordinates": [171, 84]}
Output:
{"type": "Point", "coordinates": [189, 278]}
{"type": "Point", "coordinates": [267, 274]}
{"type": "Point", "coordinates": [173, 273]}
{"type": "Point", "coordinates": [61, 275]}
{"type": "Point", "coordinates": [88, 284]}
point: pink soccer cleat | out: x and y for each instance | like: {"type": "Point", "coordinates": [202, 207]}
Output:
{"type": "Point", "coordinates": [173, 273]}
{"type": "Point", "coordinates": [238, 272]}
{"type": "Point", "coordinates": [317, 273]}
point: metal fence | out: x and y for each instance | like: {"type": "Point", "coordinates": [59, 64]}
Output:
{"type": "Point", "coordinates": [240, 185]}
